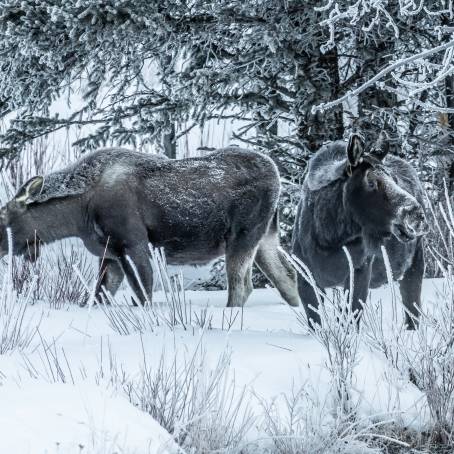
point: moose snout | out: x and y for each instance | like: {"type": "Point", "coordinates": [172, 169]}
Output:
{"type": "Point", "coordinates": [414, 220]}
{"type": "Point", "coordinates": [410, 222]}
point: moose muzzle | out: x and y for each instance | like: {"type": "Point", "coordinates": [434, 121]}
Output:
{"type": "Point", "coordinates": [410, 223]}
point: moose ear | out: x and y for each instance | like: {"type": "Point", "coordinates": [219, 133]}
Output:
{"type": "Point", "coordinates": [381, 147]}
{"type": "Point", "coordinates": [355, 149]}
{"type": "Point", "coordinates": [29, 190]}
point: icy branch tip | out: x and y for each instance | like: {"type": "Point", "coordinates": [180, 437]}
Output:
{"type": "Point", "coordinates": [318, 108]}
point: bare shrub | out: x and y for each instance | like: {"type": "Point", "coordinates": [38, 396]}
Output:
{"type": "Point", "coordinates": [52, 365]}
{"type": "Point", "coordinates": [38, 157]}
{"type": "Point", "coordinates": [53, 274]}
{"type": "Point", "coordinates": [302, 423]}
{"type": "Point", "coordinates": [425, 356]}
{"type": "Point", "coordinates": [217, 279]}
{"type": "Point", "coordinates": [173, 287]}
{"type": "Point", "coordinates": [126, 319]}
{"type": "Point", "coordinates": [201, 408]}
{"type": "Point", "coordinates": [440, 239]}
{"type": "Point", "coordinates": [177, 310]}
{"type": "Point", "coordinates": [63, 285]}
{"type": "Point", "coordinates": [339, 334]}
{"type": "Point", "coordinates": [26, 271]}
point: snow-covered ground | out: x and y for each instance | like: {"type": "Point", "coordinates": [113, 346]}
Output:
{"type": "Point", "coordinates": [57, 396]}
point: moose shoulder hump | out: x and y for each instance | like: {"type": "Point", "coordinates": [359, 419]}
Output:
{"type": "Point", "coordinates": [327, 165]}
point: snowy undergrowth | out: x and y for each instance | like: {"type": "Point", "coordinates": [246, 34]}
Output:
{"type": "Point", "coordinates": [331, 423]}
{"type": "Point", "coordinates": [302, 423]}
{"type": "Point", "coordinates": [196, 394]}
{"type": "Point", "coordinates": [198, 403]}
{"type": "Point", "coordinates": [201, 406]}
{"type": "Point", "coordinates": [424, 357]}
{"type": "Point", "coordinates": [176, 311]}
{"type": "Point", "coordinates": [54, 274]}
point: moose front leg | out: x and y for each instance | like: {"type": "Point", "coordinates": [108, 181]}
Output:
{"type": "Point", "coordinates": [361, 283]}
{"type": "Point", "coordinates": [136, 265]}
{"type": "Point", "coordinates": [110, 277]}
{"type": "Point", "coordinates": [410, 288]}
{"type": "Point", "coordinates": [310, 301]}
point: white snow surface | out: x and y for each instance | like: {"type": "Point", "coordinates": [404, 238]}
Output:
{"type": "Point", "coordinates": [39, 417]}
{"type": "Point", "coordinates": [271, 355]}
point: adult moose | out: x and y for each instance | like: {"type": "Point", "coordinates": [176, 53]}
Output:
{"type": "Point", "coordinates": [360, 199]}
{"type": "Point", "coordinates": [118, 201]}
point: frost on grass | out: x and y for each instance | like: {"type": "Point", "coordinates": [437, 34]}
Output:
{"type": "Point", "coordinates": [303, 423]}
{"type": "Point", "coordinates": [202, 407]}
{"type": "Point", "coordinates": [340, 337]}
{"type": "Point", "coordinates": [54, 276]}
{"type": "Point", "coordinates": [425, 357]}
{"type": "Point", "coordinates": [199, 403]}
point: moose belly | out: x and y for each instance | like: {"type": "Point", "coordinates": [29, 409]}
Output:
{"type": "Point", "coordinates": [188, 255]}
{"type": "Point", "coordinates": [189, 248]}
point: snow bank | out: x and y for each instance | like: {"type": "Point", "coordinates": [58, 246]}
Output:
{"type": "Point", "coordinates": [42, 418]}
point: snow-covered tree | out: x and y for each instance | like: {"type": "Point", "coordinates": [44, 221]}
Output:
{"type": "Point", "coordinates": [146, 65]}
{"type": "Point", "coordinates": [402, 59]}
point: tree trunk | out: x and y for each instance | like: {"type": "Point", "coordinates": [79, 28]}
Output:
{"type": "Point", "coordinates": [449, 89]}
{"type": "Point", "coordinates": [374, 100]}
{"type": "Point", "coordinates": [169, 143]}
{"type": "Point", "coordinates": [323, 76]}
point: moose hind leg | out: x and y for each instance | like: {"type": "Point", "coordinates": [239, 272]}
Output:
{"type": "Point", "coordinates": [110, 277]}
{"type": "Point", "coordinates": [239, 275]}
{"type": "Point", "coordinates": [273, 263]}
{"type": "Point", "coordinates": [137, 268]}
{"type": "Point", "coordinates": [410, 287]}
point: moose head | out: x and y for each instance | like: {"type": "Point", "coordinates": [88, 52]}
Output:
{"type": "Point", "coordinates": [379, 202]}
{"type": "Point", "coordinates": [16, 216]}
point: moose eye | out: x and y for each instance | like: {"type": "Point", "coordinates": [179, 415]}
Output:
{"type": "Point", "coordinates": [371, 184]}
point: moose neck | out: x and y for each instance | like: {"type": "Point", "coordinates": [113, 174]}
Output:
{"type": "Point", "coordinates": [334, 224]}
{"type": "Point", "coordinates": [56, 219]}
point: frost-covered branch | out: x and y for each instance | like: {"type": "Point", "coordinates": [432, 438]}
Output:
{"type": "Point", "coordinates": [389, 69]}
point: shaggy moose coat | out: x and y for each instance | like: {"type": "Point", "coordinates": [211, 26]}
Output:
{"type": "Point", "coordinates": [118, 201]}
{"type": "Point", "coordinates": [360, 200]}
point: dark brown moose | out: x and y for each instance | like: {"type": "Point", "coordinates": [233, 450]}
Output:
{"type": "Point", "coordinates": [118, 201]}
{"type": "Point", "coordinates": [361, 198]}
